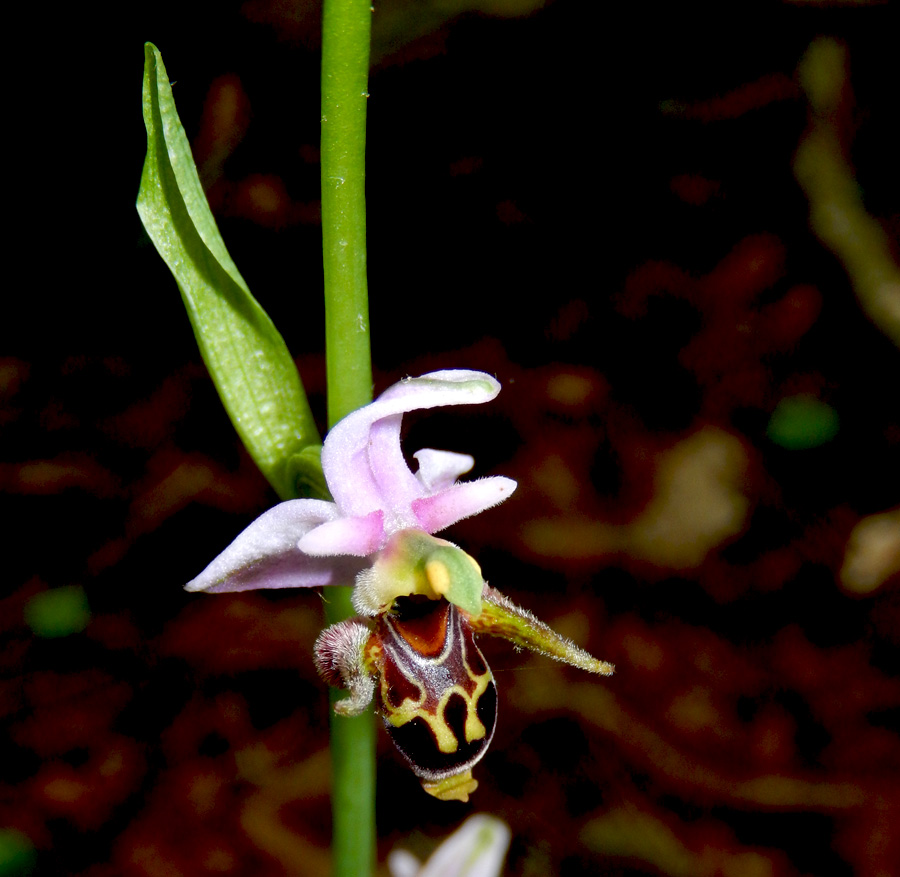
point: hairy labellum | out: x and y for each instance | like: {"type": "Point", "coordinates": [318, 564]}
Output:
{"type": "Point", "coordinates": [436, 693]}
{"type": "Point", "coordinates": [432, 686]}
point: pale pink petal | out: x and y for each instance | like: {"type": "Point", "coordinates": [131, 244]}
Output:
{"type": "Point", "coordinates": [362, 459]}
{"type": "Point", "coordinates": [476, 849]}
{"type": "Point", "coordinates": [434, 513]}
{"type": "Point", "coordinates": [439, 469]}
{"type": "Point", "coordinates": [265, 554]}
{"type": "Point", "coordinates": [356, 536]}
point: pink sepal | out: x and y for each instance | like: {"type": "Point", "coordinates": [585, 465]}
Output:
{"type": "Point", "coordinates": [265, 554]}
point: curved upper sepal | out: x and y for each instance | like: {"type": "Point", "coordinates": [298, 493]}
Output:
{"type": "Point", "coordinates": [362, 457]}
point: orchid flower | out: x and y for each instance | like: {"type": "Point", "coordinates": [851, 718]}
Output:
{"type": "Point", "coordinates": [308, 542]}
{"type": "Point", "coordinates": [421, 599]}
{"type": "Point", "coordinates": [476, 849]}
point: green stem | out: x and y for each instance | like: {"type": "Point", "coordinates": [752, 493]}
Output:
{"type": "Point", "coordinates": [346, 29]}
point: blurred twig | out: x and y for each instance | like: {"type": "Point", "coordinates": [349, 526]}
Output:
{"type": "Point", "coordinates": [836, 210]}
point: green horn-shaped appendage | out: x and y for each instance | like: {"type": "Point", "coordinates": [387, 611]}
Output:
{"type": "Point", "coordinates": [501, 617]}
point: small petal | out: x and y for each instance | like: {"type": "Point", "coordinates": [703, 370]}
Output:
{"type": "Point", "coordinates": [265, 555]}
{"type": "Point", "coordinates": [356, 536]}
{"type": "Point", "coordinates": [362, 458]}
{"type": "Point", "coordinates": [440, 469]}
{"type": "Point", "coordinates": [434, 513]}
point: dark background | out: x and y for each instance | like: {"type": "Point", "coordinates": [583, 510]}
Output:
{"type": "Point", "coordinates": [597, 205]}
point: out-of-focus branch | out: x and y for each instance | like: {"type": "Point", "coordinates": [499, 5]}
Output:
{"type": "Point", "coordinates": [836, 211]}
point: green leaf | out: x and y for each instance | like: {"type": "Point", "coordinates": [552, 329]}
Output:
{"type": "Point", "coordinates": [246, 356]}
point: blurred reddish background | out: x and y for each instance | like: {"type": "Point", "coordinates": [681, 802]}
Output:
{"type": "Point", "coordinates": [700, 411]}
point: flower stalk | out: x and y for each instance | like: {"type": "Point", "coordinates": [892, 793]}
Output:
{"type": "Point", "coordinates": [346, 35]}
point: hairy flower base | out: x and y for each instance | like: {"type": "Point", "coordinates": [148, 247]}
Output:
{"type": "Point", "coordinates": [431, 684]}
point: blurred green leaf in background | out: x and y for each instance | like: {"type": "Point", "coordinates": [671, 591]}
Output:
{"type": "Point", "coordinates": [58, 612]}
{"type": "Point", "coordinates": [801, 422]}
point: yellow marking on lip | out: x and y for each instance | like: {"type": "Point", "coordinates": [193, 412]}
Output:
{"type": "Point", "coordinates": [446, 740]}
